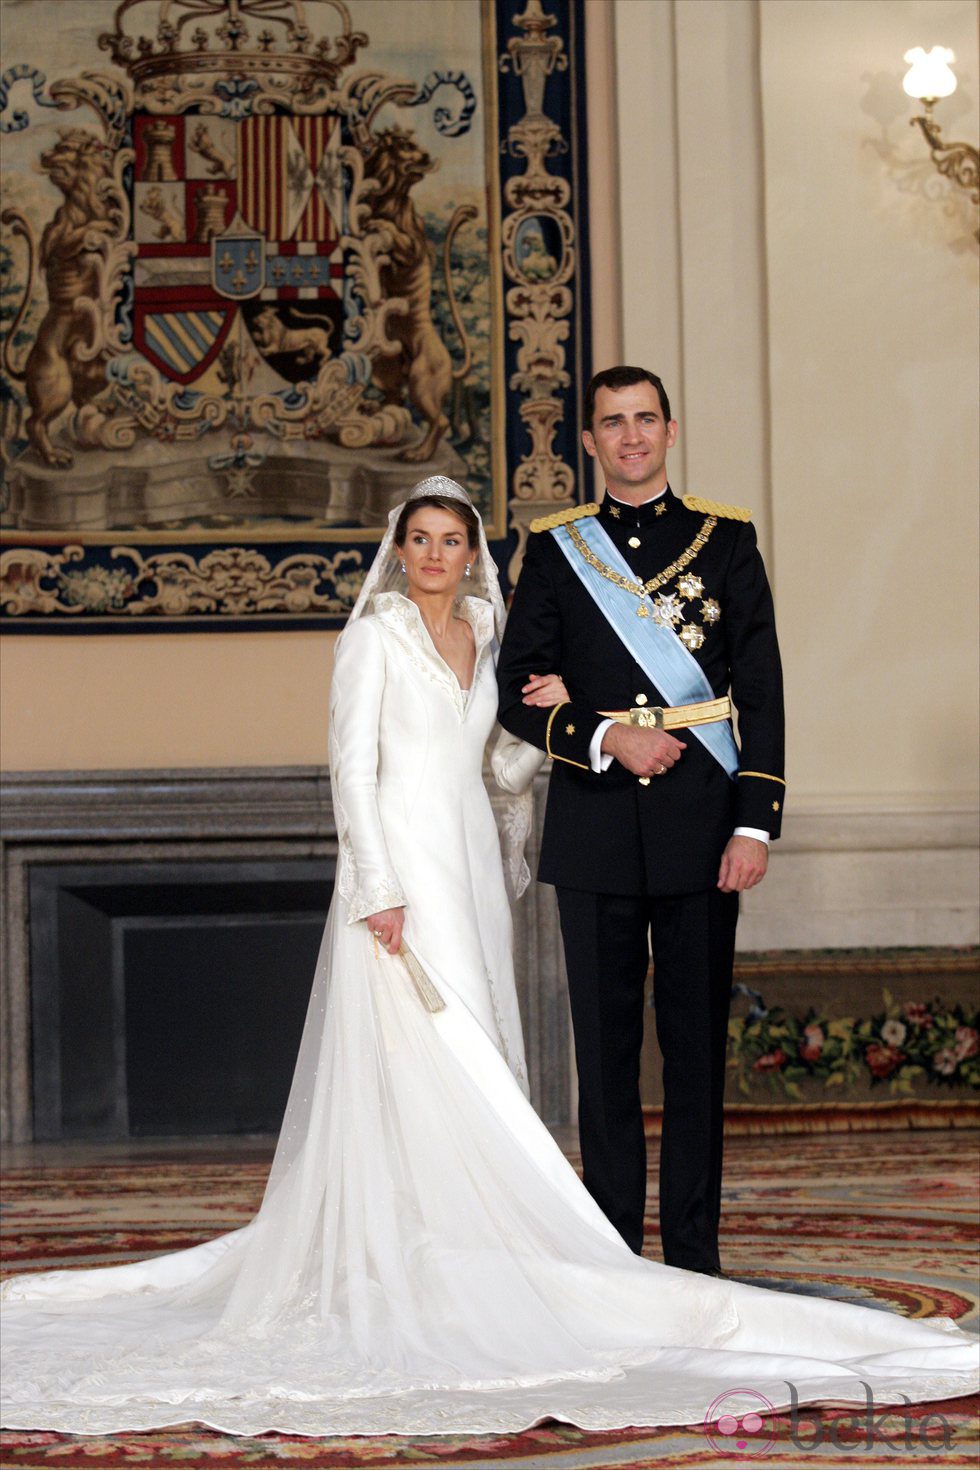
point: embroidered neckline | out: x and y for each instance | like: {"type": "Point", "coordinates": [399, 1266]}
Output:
{"type": "Point", "coordinates": [399, 613]}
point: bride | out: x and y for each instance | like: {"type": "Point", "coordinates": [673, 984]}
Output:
{"type": "Point", "coordinates": [425, 1261]}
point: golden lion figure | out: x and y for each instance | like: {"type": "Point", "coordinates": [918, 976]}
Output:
{"type": "Point", "coordinates": [218, 161]}
{"type": "Point", "coordinates": [423, 367]}
{"type": "Point", "coordinates": [55, 373]}
{"type": "Point", "coordinates": [170, 223]}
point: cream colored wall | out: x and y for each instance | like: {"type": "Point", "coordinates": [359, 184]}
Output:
{"type": "Point", "coordinates": [150, 701]}
{"type": "Point", "coordinates": [874, 383]}
{"type": "Point", "coordinates": [807, 284]}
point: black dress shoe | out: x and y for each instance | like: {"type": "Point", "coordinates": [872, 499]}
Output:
{"type": "Point", "coordinates": [715, 1271]}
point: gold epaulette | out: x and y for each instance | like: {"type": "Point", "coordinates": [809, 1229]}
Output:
{"type": "Point", "coordinates": [714, 508]}
{"type": "Point", "coordinates": [562, 517]}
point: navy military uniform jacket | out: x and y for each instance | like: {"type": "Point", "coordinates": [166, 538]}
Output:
{"type": "Point", "coordinates": [608, 833]}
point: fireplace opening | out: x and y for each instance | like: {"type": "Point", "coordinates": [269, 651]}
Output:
{"type": "Point", "coordinates": [168, 998]}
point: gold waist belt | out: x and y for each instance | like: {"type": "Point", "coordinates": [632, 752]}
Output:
{"type": "Point", "coordinates": [673, 717]}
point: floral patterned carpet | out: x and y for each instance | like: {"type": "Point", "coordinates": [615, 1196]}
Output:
{"type": "Point", "coordinates": [887, 1219]}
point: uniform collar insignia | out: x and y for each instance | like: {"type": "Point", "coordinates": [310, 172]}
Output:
{"type": "Point", "coordinates": [618, 511]}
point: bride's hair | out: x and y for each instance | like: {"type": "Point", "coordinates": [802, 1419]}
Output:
{"type": "Point", "coordinates": [461, 509]}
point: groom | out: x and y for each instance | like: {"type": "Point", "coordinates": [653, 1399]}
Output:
{"type": "Point", "coordinates": [654, 609]}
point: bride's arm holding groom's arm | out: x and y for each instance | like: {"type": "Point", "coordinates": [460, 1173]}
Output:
{"type": "Point", "coordinates": [515, 762]}
{"type": "Point", "coordinates": [367, 879]}
{"type": "Point", "coordinates": [533, 644]}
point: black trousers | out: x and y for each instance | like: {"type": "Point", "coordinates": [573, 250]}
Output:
{"type": "Point", "coordinates": [692, 938]}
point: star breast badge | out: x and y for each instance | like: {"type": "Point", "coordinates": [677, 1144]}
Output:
{"type": "Point", "coordinates": [667, 610]}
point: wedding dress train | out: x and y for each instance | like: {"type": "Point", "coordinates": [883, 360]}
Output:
{"type": "Point", "coordinates": [425, 1261]}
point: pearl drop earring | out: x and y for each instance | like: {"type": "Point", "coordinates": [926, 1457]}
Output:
{"type": "Point", "coordinates": [468, 569]}
{"type": "Point", "coordinates": [403, 567]}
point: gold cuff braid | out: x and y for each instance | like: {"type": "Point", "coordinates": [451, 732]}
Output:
{"type": "Point", "coordinates": [547, 740]}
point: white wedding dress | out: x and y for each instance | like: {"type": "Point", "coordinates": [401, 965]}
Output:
{"type": "Point", "coordinates": [425, 1261]}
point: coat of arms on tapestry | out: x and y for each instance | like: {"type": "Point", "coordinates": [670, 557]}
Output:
{"type": "Point", "coordinates": [264, 265]}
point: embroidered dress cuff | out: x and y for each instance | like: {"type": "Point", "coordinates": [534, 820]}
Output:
{"type": "Point", "coordinates": [756, 832]}
{"type": "Point", "coordinates": [600, 760]}
{"type": "Point", "coordinates": [385, 894]}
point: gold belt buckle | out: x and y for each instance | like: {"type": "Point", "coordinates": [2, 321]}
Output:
{"type": "Point", "coordinates": [648, 717]}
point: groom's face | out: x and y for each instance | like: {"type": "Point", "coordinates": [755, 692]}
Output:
{"type": "Point", "coordinates": [630, 438]}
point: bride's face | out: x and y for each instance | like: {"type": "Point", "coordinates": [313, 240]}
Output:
{"type": "Point", "coordinates": [435, 552]}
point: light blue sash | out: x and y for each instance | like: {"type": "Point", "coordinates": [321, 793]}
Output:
{"type": "Point", "coordinates": [657, 649]}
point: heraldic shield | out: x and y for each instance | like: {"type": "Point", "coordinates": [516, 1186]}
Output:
{"type": "Point", "coordinates": [249, 211]}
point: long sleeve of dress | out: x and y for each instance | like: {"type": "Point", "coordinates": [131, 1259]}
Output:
{"type": "Point", "coordinates": [533, 643]}
{"type": "Point", "coordinates": [365, 877]}
{"type": "Point", "coordinates": [514, 762]}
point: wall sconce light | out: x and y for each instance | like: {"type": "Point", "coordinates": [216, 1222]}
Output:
{"type": "Point", "coordinates": [928, 78]}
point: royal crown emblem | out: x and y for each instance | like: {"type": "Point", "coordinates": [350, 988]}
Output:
{"type": "Point", "coordinates": [264, 43]}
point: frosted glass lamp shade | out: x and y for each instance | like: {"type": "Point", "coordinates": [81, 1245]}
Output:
{"type": "Point", "coordinates": [929, 74]}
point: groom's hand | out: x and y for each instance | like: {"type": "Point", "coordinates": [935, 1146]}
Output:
{"type": "Point", "coordinates": [743, 864]}
{"type": "Point", "coordinates": [644, 752]}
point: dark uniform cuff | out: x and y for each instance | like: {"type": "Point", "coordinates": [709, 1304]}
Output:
{"type": "Point", "coordinates": [569, 733]}
{"type": "Point", "coordinates": [759, 801]}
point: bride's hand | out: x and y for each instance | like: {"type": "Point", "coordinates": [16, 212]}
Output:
{"type": "Point", "coordinates": [545, 690]}
{"type": "Point", "coordinates": [387, 928]}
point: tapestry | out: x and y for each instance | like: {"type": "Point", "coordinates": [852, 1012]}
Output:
{"type": "Point", "coordinates": [265, 264]}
